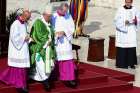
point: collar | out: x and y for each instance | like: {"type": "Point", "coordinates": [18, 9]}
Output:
{"type": "Point", "coordinates": [19, 19]}
{"type": "Point", "coordinates": [59, 13]}
{"type": "Point", "coordinates": [125, 7]}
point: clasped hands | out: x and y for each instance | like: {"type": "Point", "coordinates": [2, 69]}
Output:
{"type": "Point", "coordinates": [28, 39]}
{"type": "Point", "coordinates": [129, 22]}
{"type": "Point", "coordinates": [59, 34]}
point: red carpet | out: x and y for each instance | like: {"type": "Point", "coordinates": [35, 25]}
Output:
{"type": "Point", "coordinates": [92, 79]}
{"type": "Point", "coordinates": [109, 72]}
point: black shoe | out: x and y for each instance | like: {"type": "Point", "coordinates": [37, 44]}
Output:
{"type": "Point", "coordinates": [71, 84]}
{"type": "Point", "coordinates": [47, 86]}
{"type": "Point", "coordinates": [22, 90]}
{"type": "Point", "coordinates": [133, 67]}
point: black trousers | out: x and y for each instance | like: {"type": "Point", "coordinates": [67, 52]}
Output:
{"type": "Point", "coordinates": [126, 57]}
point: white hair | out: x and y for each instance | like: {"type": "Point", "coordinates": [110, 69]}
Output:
{"type": "Point", "coordinates": [48, 9]}
{"type": "Point", "coordinates": [63, 5]}
{"type": "Point", "coordinates": [19, 11]}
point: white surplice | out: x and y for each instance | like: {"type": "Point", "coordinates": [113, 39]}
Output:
{"type": "Point", "coordinates": [18, 52]}
{"type": "Point", "coordinates": [63, 44]}
{"type": "Point", "coordinates": [126, 34]}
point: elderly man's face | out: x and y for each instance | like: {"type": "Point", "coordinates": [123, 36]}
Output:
{"type": "Point", "coordinates": [65, 9]}
{"type": "Point", "coordinates": [128, 3]}
{"type": "Point", "coordinates": [47, 17]}
{"type": "Point", "coordinates": [26, 15]}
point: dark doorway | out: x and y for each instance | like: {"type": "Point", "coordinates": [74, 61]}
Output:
{"type": "Point", "coordinates": [3, 35]}
{"type": "Point", "coordinates": [2, 16]}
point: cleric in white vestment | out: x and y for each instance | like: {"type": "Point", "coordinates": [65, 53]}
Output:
{"type": "Point", "coordinates": [18, 54]}
{"type": "Point", "coordinates": [64, 29]}
{"type": "Point", "coordinates": [127, 22]}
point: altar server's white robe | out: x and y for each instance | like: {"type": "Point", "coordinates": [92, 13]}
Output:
{"type": "Point", "coordinates": [63, 44]}
{"type": "Point", "coordinates": [126, 35]}
{"type": "Point", "coordinates": [18, 52]}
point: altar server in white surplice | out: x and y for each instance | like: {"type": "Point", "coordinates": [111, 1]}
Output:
{"type": "Point", "coordinates": [127, 22]}
{"type": "Point", "coordinates": [64, 29]}
{"type": "Point", "coordinates": [18, 54]}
